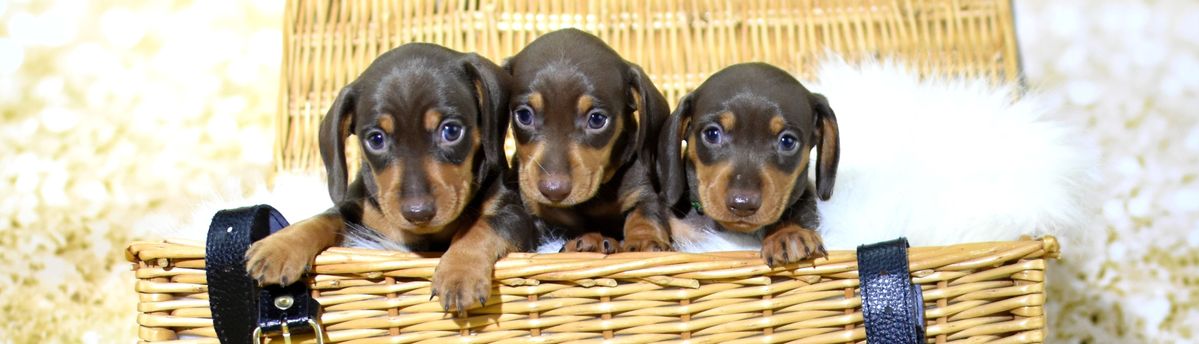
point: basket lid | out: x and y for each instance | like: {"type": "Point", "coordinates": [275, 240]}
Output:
{"type": "Point", "coordinates": [678, 43]}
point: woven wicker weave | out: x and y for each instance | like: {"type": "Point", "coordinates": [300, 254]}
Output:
{"type": "Point", "coordinates": [678, 42]}
{"type": "Point", "coordinates": [984, 292]}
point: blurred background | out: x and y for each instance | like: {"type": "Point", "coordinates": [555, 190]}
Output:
{"type": "Point", "coordinates": [119, 117]}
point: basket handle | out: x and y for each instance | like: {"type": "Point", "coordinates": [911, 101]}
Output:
{"type": "Point", "coordinates": [241, 311]}
{"type": "Point", "coordinates": [892, 307]}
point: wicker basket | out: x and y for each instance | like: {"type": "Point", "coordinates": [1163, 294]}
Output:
{"type": "Point", "coordinates": [981, 292]}
{"type": "Point", "coordinates": [974, 293]}
{"type": "Point", "coordinates": [678, 42]}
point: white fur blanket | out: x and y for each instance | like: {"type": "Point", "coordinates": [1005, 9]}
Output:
{"type": "Point", "coordinates": [936, 161]}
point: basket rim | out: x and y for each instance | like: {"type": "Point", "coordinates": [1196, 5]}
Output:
{"type": "Point", "coordinates": [143, 250]}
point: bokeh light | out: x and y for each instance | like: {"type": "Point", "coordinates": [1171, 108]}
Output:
{"type": "Point", "coordinates": [119, 118]}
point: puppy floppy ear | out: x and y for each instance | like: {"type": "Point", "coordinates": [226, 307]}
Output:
{"type": "Point", "coordinates": [651, 108]}
{"type": "Point", "coordinates": [491, 90]}
{"type": "Point", "coordinates": [828, 146]}
{"type": "Point", "coordinates": [670, 170]}
{"type": "Point", "coordinates": [334, 130]}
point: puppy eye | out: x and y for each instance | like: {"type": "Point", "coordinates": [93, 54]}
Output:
{"type": "Point", "coordinates": [788, 143]}
{"type": "Point", "coordinates": [712, 135]}
{"type": "Point", "coordinates": [451, 132]}
{"type": "Point", "coordinates": [524, 116]}
{"type": "Point", "coordinates": [597, 120]}
{"type": "Point", "coordinates": [375, 141]}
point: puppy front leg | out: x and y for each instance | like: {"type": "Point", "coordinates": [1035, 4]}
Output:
{"type": "Point", "coordinates": [282, 258]}
{"type": "Point", "coordinates": [646, 228]}
{"type": "Point", "coordinates": [464, 274]}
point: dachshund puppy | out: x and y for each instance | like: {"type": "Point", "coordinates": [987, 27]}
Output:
{"type": "Point", "coordinates": [586, 124]}
{"type": "Point", "coordinates": [431, 123]}
{"type": "Point", "coordinates": [749, 129]}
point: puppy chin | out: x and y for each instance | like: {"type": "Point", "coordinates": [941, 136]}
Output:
{"type": "Point", "coordinates": [570, 201]}
{"type": "Point", "coordinates": [739, 225]}
{"type": "Point", "coordinates": [435, 226]}
{"type": "Point", "coordinates": [428, 229]}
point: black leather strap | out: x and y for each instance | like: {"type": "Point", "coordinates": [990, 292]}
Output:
{"type": "Point", "coordinates": [892, 306]}
{"type": "Point", "coordinates": [238, 305]}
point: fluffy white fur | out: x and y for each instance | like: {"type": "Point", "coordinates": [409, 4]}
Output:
{"type": "Point", "coordinates": [936, 161]}
{"type": "Point", "coordinates": [942, 162]}
{"type": "Point", "coordinates": [296, 196]}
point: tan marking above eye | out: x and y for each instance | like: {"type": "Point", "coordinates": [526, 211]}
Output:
{"type": "Point", "coordinates": [727, 120]}
{"type": "Point", "coordinates": [584, 104]}
{"type": "Point", "coordinates": [777, 123]}
{"type": "Point", "coordinates": [432, 119]}
{"type": "Point", "coordinates": [386, 124]}
{"type": "Point", "coordinates": [536, 101]}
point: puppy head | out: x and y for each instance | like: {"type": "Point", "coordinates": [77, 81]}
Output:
{"type": "Point", "coordinates": [580, 112]}
{"type": "Point", "coordinates": [430, 123]}
{"type": "Point", "coordinates": [749, 129]}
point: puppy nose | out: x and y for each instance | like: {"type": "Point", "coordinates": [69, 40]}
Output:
{"type": "Point", "coordinates": [555, 187]}
{"type": "Point", "coordinates": [744, 203]}
{"type": "Point", "coordinates": [418, 210]}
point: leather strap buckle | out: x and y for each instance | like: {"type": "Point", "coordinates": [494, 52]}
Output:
{"type": "Point", "coordinates": [316, 329]}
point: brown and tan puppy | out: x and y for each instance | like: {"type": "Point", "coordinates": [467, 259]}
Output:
{"type": "Point", "coordinates": [430, 122]}
{"type": "Point", "coordinates": [749, 129]}
{"type": "Point", "coordinates": [586, 124]}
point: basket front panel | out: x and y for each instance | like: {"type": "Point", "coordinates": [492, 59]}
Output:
{"type": "Point", "coordinates": [973, 292]}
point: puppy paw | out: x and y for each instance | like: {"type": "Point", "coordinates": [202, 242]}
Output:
{"type": "Point", "coordinates": [791, 245]}
{"type": "Point", "coordinates": [591, 242]}
{"type": "Point", "coordinates": [277, 260]}
{"type": "Point", "coordinates": [642, 234]}
{"type": "Point", "coordinates": [459, 283]}
{"type": "Point", "coordinates": [645, 243]}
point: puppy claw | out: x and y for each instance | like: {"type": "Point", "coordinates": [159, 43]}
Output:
{"type": "Point", "coordinates": [275, 260]}
{"type": "Point", "coordinates": [460, 282]}
{"type": "Point", "coordinates": [790, 245]}
{"type": "Point", "coordinates": [591, 242]}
